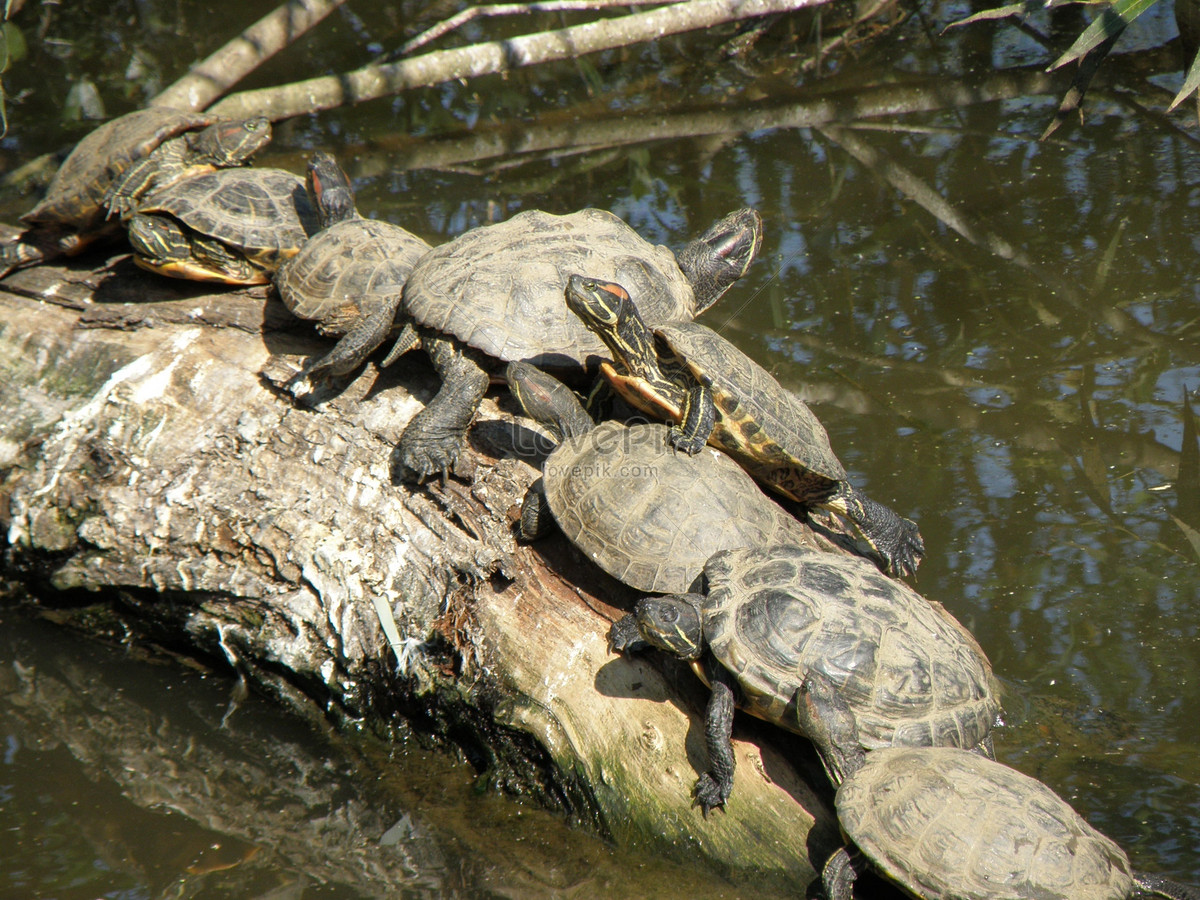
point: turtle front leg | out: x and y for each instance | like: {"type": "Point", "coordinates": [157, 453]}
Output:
{"type": "Point", "coordinates": [895, 540]}
{"type": "Point", "coordinates": [698, 417]}
{"type": "Point", "coordinates": [434, 438]}
{"type": "Point", "coordinates": [353, 348]}
{"type": "Point", "coordinates": [713, 787]}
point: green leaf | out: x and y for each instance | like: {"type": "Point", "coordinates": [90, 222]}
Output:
{"type": "Point", "coordinates": [1106, 26]}
{"type": "Point", "coordinates": [1024, 8]}
{"type": "Point", "coordinates": [1187, 482]}
{"type": "Point", "coordinates": [1191, 534]}
{"type": "Point", "coordinates": [999, 12]}
{"type": "Point", "coordinates": [1189, 84]}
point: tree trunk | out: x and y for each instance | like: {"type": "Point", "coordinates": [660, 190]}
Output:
{"type": "Point", "coordinates": [145, 456]}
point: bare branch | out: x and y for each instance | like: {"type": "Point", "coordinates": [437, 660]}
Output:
{"type": "Point", "coordinates": [509, 9]}
{"type": "Point", "coordinates": [497, 56]}
{"type": "Point", "coordinates": [209, 79]}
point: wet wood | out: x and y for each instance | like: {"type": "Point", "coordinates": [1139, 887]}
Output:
{"type": "Point", "coordinates": [151, 469]}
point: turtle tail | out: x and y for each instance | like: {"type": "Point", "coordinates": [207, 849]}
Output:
{"type": "Point", "coordinates": [893, 540]}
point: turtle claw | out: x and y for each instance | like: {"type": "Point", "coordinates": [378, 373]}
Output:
{"type": "Point", "coordinates": [708, 794]}
{"type": "Point", "coordinates": [691, 444]}
{"type": "Point", "coordinates": [624, 635]}
{"type": "Point", "coordinates": [425, 455]}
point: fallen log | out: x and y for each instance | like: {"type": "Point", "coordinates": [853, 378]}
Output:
{"type": "Point", "coordinates": [149, 467]}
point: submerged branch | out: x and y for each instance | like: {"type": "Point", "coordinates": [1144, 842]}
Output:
{"type": "Point", "coordinates": [496, 56]}
{"type": "Point", "coordinates": [209, 79]}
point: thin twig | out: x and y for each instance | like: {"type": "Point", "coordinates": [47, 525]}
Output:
{"type": "Point", "coordinates": [510, 9]}
{"type": "Point", "coordinates": [209, 79]}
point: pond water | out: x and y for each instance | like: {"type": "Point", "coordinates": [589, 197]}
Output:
{"type": "Point", "coordinates": [998, 333]}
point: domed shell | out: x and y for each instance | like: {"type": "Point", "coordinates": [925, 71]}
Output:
{"type": "Point", "coordinates": [78, 187]}
{"type": "Point", "coordinates": [765, 426]}
{"type": "Point", "coordinates": [348, 270]}
{"type": "Point", "coordinates": [650, 516]}
{"type": "Point", "coordinates": [264, 213]}
{"type": "Point", "coordinates": [945, 823]}
{"type": "Point", "coordinates": [500, 287]}
{"type": "Point", "coordinates": [910, 673]}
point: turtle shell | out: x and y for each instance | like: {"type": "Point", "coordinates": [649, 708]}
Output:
{"type": "Point", "coordinates": [264, 214]}
{"type": "Point", "coordinates": [347, 271]}
{"type": "Point", "coordinates": [944, 823]}
{"type": "Point", "coordinates": [499, 288]}
{"type": "Point", "coordinates": [81, 182]}
{"type": "Point", "coordinates": [910, 673]}
{"type": "Point", "coordinates": [766, 427]}
{"type": "Point", "coordinates": [650, 516]}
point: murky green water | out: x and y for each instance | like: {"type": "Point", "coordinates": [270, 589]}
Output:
{"type": "Point", "coordinates": [1018, 393]}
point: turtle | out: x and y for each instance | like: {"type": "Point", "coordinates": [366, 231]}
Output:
{"type": "Point", "coordinates": [945, 824]}
{"type": "Point", "coordinates": [494, 295]}
{"type": "Point", "coordinates": [235, 226]}
{"type": "Point", "coordinates": [775, 618]}
{"type": "Point", "coordinates": [112, 168]}
{"type": "Point", "coordinates": [348, 277]}
{"type": "Point", "coordinates": [717, 394]}
{"type": "Point", "coordinates": [645, 514]}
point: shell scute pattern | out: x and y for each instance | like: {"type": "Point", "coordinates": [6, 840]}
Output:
{"type": "Point", "coordinates": [500, 288]}
{"type": "Point", "coordinates": [764, 425]}
{"type": "Point", "coordinates": [78, 187]}
{"type": "Point", "coordinates": [907, 669]}
{"type": "Point", "coordinates": [651, 517]}
{"type": "Point", "coordinates": [946, 823]}
{"type": "Point", "coordinates": [348, 268]}
{"type": "Point", "coordinates": [265, 212]}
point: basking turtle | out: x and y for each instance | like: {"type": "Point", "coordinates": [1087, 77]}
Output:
{"type": "Point", "coordinates": [235, 226]}
{"type": "Point", "coordinates": [112, 168]}
{"type": "Point", "coordinates": [349, 276]}
{"type": "Point", "coordinates": [715, 393]}
{"type": "Point", "coordinates": [777, 618]}
{"type": "Point", "coordinates": [495, 293]}
{"type": "Point", "coordinates": [949, 825]}
{"type": "Point", "coordinates": [642, 512]}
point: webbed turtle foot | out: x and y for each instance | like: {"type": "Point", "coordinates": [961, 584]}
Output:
{"type": "Point", "coordinates": [422, 453]}
{"type": "Point", "coordinates": [624, 636]}
{"type": "Point", "coordinates": [709, 794]}
{"type": "Point", "coordinates": [691, 444]}
{"type": "Point", "coordinates": [908, 550]}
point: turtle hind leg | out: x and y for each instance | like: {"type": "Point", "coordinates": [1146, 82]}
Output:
{"type": "Point", "coordinates": [536, 519]}
{"type": "Point", "coordinates": [1158, 886]}
{"type": "Point", "coordinates": [893, 539]}
{"type": "Point", "coordinates": [20, 255]}
{"type": "Point", "coordinates": [433, 439]}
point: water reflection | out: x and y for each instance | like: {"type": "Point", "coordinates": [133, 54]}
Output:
{"type": "Point", "coordinates": [997, 332]}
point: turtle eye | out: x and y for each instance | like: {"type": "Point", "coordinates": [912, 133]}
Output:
{"type": "Point", "coordinates": [670, 615]}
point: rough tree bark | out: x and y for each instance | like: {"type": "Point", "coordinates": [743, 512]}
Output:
{"type": "Point", "coordinates": [144, 456]}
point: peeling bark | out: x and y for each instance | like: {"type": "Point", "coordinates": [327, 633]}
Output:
{"type": "Point", "coordinates": [146, 457]}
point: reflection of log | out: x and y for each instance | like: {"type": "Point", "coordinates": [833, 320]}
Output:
{"type": "Point", "coordinates": [143, 451]}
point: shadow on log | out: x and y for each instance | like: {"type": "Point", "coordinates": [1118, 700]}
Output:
{"type": "Point", "coordinates": [145, 457]}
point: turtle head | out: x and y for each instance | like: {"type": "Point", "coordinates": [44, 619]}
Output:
{"type": "Point", "coordinates": [722, 255]}
{"type": "Point", "coordinates": [609, 312]}
{"type": "Point", "coordinates": [329, 189]}
{"type": "Point", "coordinates": [231, 143]}
{"type": "Point", "coordinates": [548, 401]}
{"type": "Point", "coordinates": [672, 623]}
{"type": "Point", "coordinates": [599, 304]}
